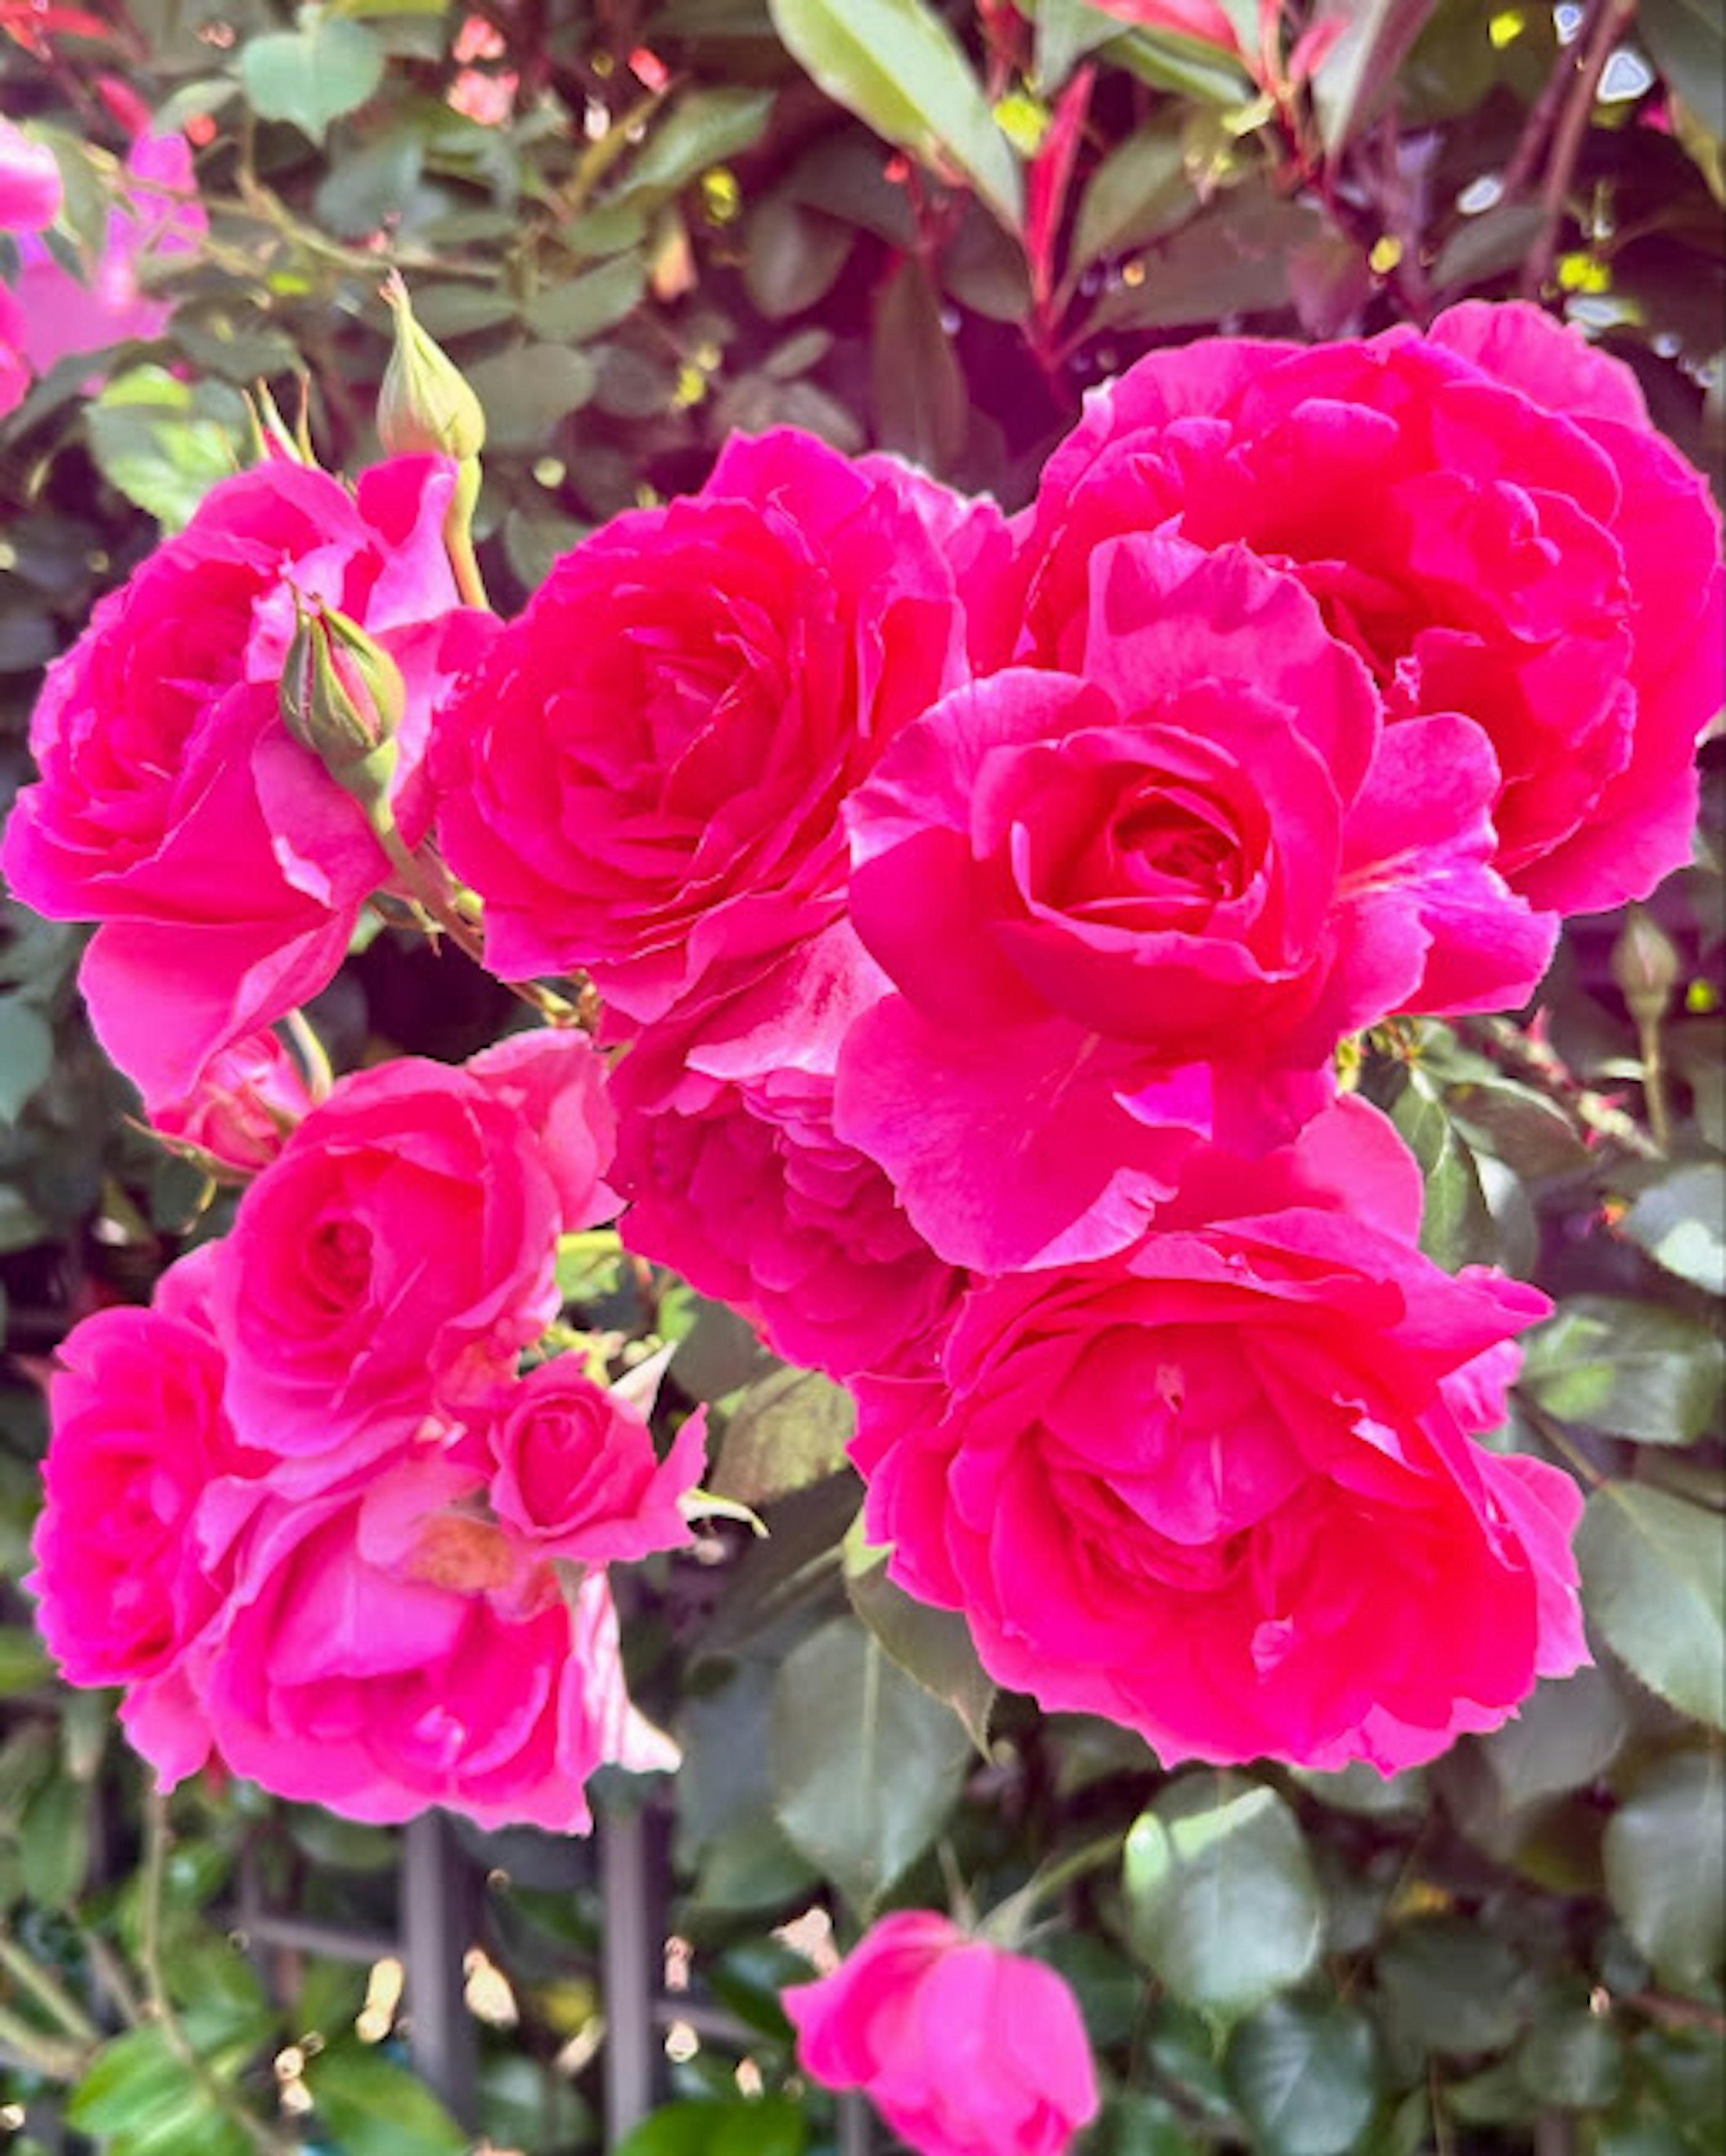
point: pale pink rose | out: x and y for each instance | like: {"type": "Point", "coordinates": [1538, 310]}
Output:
{"type": "Point", "coordinates": [1484, 513]}
{"type": "Point", "coordinates": [227, 868]}
{"type": "Point", "coordinates": [1138, 904]}
{"type": "Point", "coordinates": [963, 2049]}
{"type": "Point", "coordinates": [400, 1252]}
{"type": "Point", "coordinates": [371, 1659]}
{"type": "Point", "coordinates": [575, 1474]}
{"type": "Point", "coordinates": [158, 218]}
{"type": "Point", "coordinates": [1214, 1487]}
{"type": "Point", "coordinates": [644, 779]}
{"type": "Point", "coordinates": [29, 182]}
{"type": "Point", "coordinates": [247, 1099]}
{"type": "Point", "coordinates": [737, 1179]}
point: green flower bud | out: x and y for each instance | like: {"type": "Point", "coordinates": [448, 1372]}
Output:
{"type": "Point", "coordinates": [425, 407]}
{"type": "Point", "coordinates": [343, 696]}
{"type": "Point", "coordinates": [1646, 966]}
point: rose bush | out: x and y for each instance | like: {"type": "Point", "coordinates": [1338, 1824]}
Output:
{"type": "Point", "coordinates": [1215, 1487]}
{"type": "Point", "coordinates": [964, 2049]}
{"type": "Point", "coordinates": [1484, 513]}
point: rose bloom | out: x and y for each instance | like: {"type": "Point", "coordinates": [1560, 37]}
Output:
{"type": "Point", "coordinates": [1136, 906]}
{"type": "Point", "coordinates": [1485, 513]}
{"type": "Point", "coordinates": [400, 1251]}
{"type": "Point", "coordinates": [644, 779]}
{"type": "Point", "coordinates": [378, 1655]}
{"type": "Point", "coordinates": [737, 1179]}
{"type": "Point", "coordinates": [247, 1099]}
{"type": "Point", "coordinates": [575, 1476]}
{"type": "Point", "coordinates": [139, 1432]}
{"type": "Point", "coordinates": [1219, 1489]}
{"type": "Point", "coordinates": [227, 867]}
{"type": "Point", "coordinates": [963, 2049]}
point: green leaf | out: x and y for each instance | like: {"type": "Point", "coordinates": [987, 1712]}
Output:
{"type": "Point", "coordinates": [526, 392]}
{"type": "Point", "coordinates": [1450, 1987]}
{"type": "Point", "coordinates": [321, 72]}
{"type": "Point", "coordinates": [1566, 1735]}
{"type": "Point", "coordinates": [1232, 258]}
{"type": "Point", "coordinates": [589, 305]}
{"type": "Point", "coordinates": [792, 256]}
{"type": "Point", "coordinates": [26, 1055]}
{"type": "Point", "coordinates": [1664, 1856]}
{"type": "Point", "coordinates": [703, 129]}
{"type": "Point", "coordinates": [865, 1765]}
{"type": "Point", "coordinates": [1455, 1220]}
{"type": "Point", "coordinates": [1654, 1587]}
{"type": "Point", "coordinates": [1191, 66]}
{"type": "Point", "coordinates": [897, 66]}
{"type": "Point", "coordinates": [1378, 36]}
{"type": "Point", "coordinates": [1681, 1222]}
{"type": "Point", "coordinates": [922, 406]}
{"type": "Point", "coordinates": [789, 1430]}
{"type": "Point", "coordinates": [934, 1646]}
{"type": "Point", "coordinates": [713, 2126]}
{"type": "Point", "coordinates": [1139, 190]}
{"type": "Point", "coordinates": [1222, 1902]}
{"type": "Point", "coordinates": [166, 442]}
{"type": "Point", "coordinates": [1484, 246]}
{"type": "Point", "coordinates": [1066, 30]}
{"type": "Point", "coordinates": [375, 2108]}
{"type": "Point", "coordinates": [1516, 1125]}
{"type": "Point", "coordinates": [1631, 1369]}
{"type": "Point", "coordinates": [53, 1840]}
{"type": "Point", "coordinates": [1572, 2060]}
{"type": "Point", "coordinates": [1305, 2073]}
{"type": "Point", "coordinates": [23, 1661]}
{"type": "Point", "coordinates": [1687, 40]}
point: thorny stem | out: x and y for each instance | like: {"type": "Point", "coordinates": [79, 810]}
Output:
{"type": "Point", "coordinates": [1609, 21]}
{"type": "Point", "coordinates": [1654, 1097]}
{"type": "Point", "coordinates": [158, 2006]}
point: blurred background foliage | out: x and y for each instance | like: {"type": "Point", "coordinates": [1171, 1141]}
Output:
{"type": "Point", "coordinates": [638, 227]}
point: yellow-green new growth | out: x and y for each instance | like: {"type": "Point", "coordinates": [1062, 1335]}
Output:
{"type": "Point", "coordinates": [342, 697]}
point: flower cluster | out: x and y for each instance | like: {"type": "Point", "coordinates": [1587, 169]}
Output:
{"type": "Point", "coordinates": [303, 1508]}
{"type": "Point", "coordinates": [974, 910]}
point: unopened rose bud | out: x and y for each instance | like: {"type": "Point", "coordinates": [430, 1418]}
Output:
{"type": "Point", "coordinates": [343, 696]}
{"type": "Point", "coordinates": [1646, 966]}
{"type": "Point", "coordinates": [425, 408]}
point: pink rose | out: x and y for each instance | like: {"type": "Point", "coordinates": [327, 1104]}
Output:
{"type": "Point", "coordinates": [1137, 905]}
{"type": "Point", "coordinates": [29, 182]}
{"type": "Point", "coordinates": [736, 1178]}
{"type": "Point", "coordinates": [158, 218]}
{"type": "Point", "coordinates": [227, 867]}
{"type": "Point", "coordinates": [963, 2049]}
{"type": "Point", "coordinates": [400, 1251]}
{"type": "Point", "coordinates": [644, 779]}
{"type": "Point", "coordinates": [1485, 513]}
{"type": "Point", "coordinates": [139, 1432]}
{"type": "Point", "coordinates": [1215, 1487]}
{"type": "Point", "coordinates": [371, 1659]}
{"type": "Point", "coordinates": [247, 1099]}
{"type": "Point", "coordinates": [575, 1476]}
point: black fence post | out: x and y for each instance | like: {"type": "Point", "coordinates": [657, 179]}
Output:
{"type": "Point", "coordinates": [437, 1924]}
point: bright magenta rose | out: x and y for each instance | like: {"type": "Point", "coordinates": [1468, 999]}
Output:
{"type": "Point", "coordinates": [30, 190]}
{"type": "Point", "coordinates": [379, 1654]}
{"type": "Point", "coordinates": [139, 1434]}
{"type": "Point", "coordinates": [1219, 1488]}
{"type": "Point", "coordinates": [644, 780]}
{"type": "Point", "coordinates": [247, 1101]}
{"type": "Point", "coordinates": [964, 2049]}
{"type": "Point", "coordinates": [736, 1178]}
{"type": "Point", "coordinates": [227, 867]}
{"type": "Point", "coordinates": [574, 1472]}
{"type": "Point", "coordinates": [1137, 904]}
{"type": "Point", "coordinates": [1485, 513]}
{"type": "Point", "coordinates": [400, 1252]}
